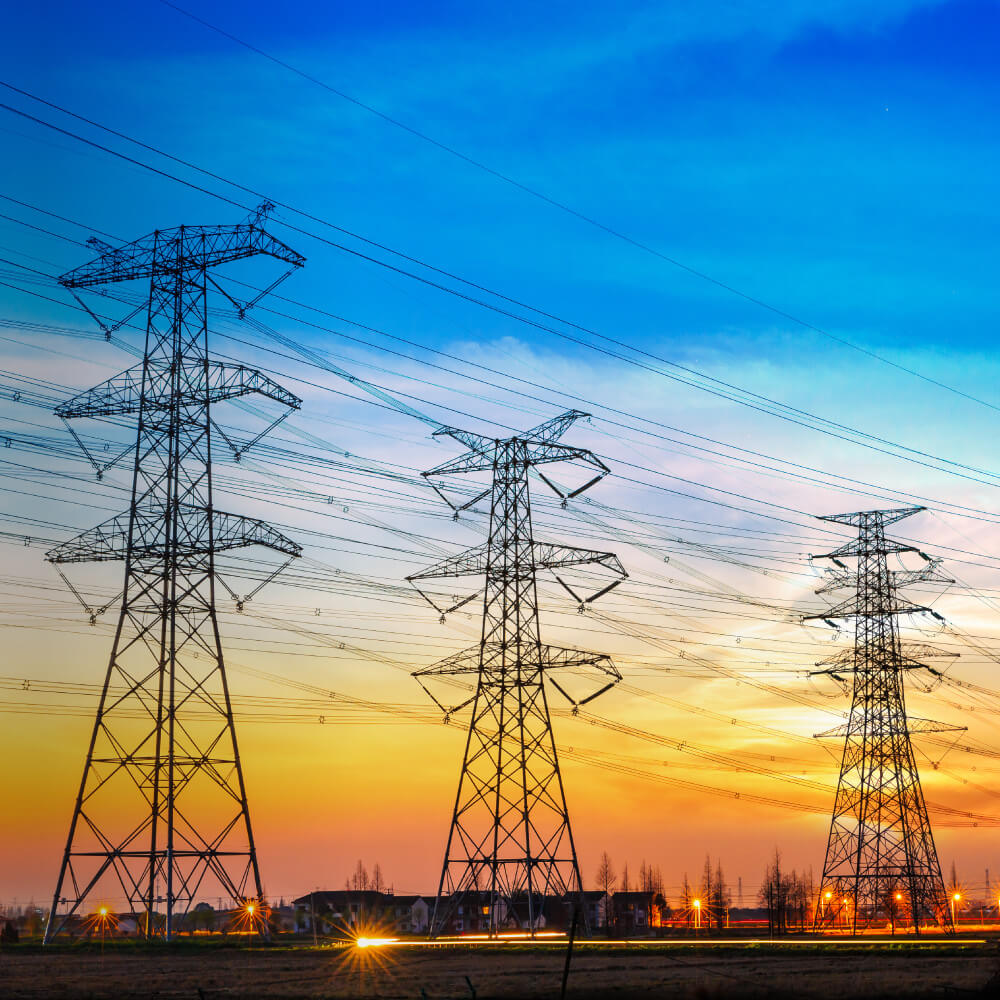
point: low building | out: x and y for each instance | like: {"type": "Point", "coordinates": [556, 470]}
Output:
{"type": "Point", "coordinates": [349, 910]}
{"type": "Point", "coordinates": [635, 912]}
{"type": "Point", "coordinates": [411, 914]}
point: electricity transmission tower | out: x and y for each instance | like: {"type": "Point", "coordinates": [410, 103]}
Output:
{"type": "Point", "coordinates": [510, 847]}
{"type": "Point", "coordinates": [161, 814]}
{"type": "Point", "coordinates": [881, 862]}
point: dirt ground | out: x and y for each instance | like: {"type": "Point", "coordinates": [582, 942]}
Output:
{"type": "Point", "coordinates": [487, 973]}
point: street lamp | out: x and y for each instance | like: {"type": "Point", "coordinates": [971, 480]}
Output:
{"type": "Point", "coordinates": [697, 914]}
{"type": "Point", "coordinates": [956, 897]}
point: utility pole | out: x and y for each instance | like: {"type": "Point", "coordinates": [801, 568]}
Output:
{"type": "Point", "coordinates": [880, 847]}
{"type": "Point", "coordinates": [162, 798]}
{"type": "Point", "coordinates": [510, 844]}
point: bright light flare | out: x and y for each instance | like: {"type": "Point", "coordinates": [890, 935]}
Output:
{"type": "Point", "coordinates": [250, 917]}
{"type": "Point", "coordinates": [366, 942]}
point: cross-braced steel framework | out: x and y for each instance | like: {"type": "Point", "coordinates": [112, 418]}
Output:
{"type": "Point", "coordinates": [510, 848]}
{"type": "Point", "coordinates": [881, 864]}
{"type": "Point", "coordinates": [161, 815]}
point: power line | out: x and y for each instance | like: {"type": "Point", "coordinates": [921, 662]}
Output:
{"type": "Point", "coordinates": [723, 389]}
{"type": "Point", "coordinates": [569, 210]}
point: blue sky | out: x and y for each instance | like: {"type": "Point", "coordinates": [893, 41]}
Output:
{"type": "Point", "coordinates": [837, 166]}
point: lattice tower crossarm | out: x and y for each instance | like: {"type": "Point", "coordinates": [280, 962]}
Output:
{"type": "Point", "coordinates": [510, 849]}
{"type": "Point", "coordinates": [881, 864]}
{"type": "Point", "coordinates": [161, 816]}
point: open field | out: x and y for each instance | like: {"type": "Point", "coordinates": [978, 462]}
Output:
{"type": "Point", "coordinates": [655, 969]}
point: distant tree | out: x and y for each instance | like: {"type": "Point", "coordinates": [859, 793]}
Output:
{"type": "Point", "coordinates": [954, 877]}
{"type": "Point", "coordinates": [796, 901]}
{"type": "Point", "coordinates": [203, 917]}
{"type": "Point", "coordinates": [788, 897]}
{"type": "Point", "coordinates": [705, 889]}
{"type": "Point", "coordinates": [657, 885]}
{"type": "Point", "coordinates": [625, 904]}
{"type": "Point", "coordinates": [653, 885]}
{"type": "Point", "coordinates": [32, 920]}
{"type": "Point", "coordinates": [773, 895]}
{"type": "Point", "coordinates": [687, 900]}
{"type": "Point", "coordinates": [359, 880]}
{"type": "Point", "coordinates": [378, 882]}
{"type": "Point", "coordinates": [721, 897]}
{"type": "Point", "coordinates": [606, 881]}
{"type": "Point", "coordinates": [8, 934]}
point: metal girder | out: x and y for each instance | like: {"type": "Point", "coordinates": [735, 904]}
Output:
{"type": "Point", "coordinates": [468, 661]}
{"type": "Point", "coordinates": [551, 556]}
{"type": "Point", "coordinates": [546, 555]}
{"type": "Point", "coordinates": [913, 726]}
{"type": "Point", "coordinates": [550, 431]}
{"type": "Point", "coordinates": [859, 607]}
{"type": "Point", "coordinates": [540, 448]}
{"type": "Point", "coordinates": [202, 533]}
{"type": "Point", "coordinates": [857, 518]}
{"type": "Point", "coordinates": [472, 562]}
{"type": "Point", "coordinates": [167, 251]}
{"type": "Point", "coordinates": [123, 393]}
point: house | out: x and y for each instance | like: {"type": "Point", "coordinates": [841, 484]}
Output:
{"type": "Point", "coordinates": [346, 910]}
{"type": "Point", "coordinates": [635, 912]}
{"type": "Point", "coordinates": [411, 914]}
{"type": "Point", "coordinates": [553, 912]}
{"type": "Point", "coordinates": [597, 908]}
{"type": "Point", "coordinates": [471, 915]}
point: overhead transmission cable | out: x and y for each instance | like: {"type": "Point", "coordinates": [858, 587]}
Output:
{"type": "Point", "coordinates": [722, 389]}
{"type": "Point", "coordinates": [569, 210]}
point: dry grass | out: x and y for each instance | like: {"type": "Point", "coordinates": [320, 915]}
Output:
{"type": "Point", "coordinates": [509, 972]}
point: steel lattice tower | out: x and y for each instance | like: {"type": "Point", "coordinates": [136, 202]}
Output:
{"type": "Point", "coordinates": [161, 813]}
{"type": "Point", "coordinates": [881, 862]}
{"type": "Point", "coordinates": [510, 845]}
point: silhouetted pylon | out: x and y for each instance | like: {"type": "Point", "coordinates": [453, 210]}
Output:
{"type": "Point", "coordinates": [161, 814]}
{"type": "Point", "coordinates": [510, 847]}
{"type": "Point", "coordinates": [881, 862]}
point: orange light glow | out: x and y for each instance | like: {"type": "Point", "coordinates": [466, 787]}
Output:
{"type": "Point", "coordinates": [697, 904]}
{"type": "Point", "coordinates": [829, 895]}
{"type": "Point", "coordinates": [957, 896]}
{"type": "Point", "coordinates": [103, 911]}
{"type": "Point", "coordinates": [899, 895]}
{"type": "Point", "coordinates": [364, 942]}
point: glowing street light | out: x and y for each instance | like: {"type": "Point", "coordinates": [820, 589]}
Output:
{"type": "Point", "coordinates": [104, 919]}
{"type": "Point", "coordinates": [697, 914]}
{"type": "Point", "coordinates": [956, 897]}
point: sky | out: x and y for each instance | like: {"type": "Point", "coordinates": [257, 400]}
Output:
{"type": "Point", "coordinates": [707, 212]}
